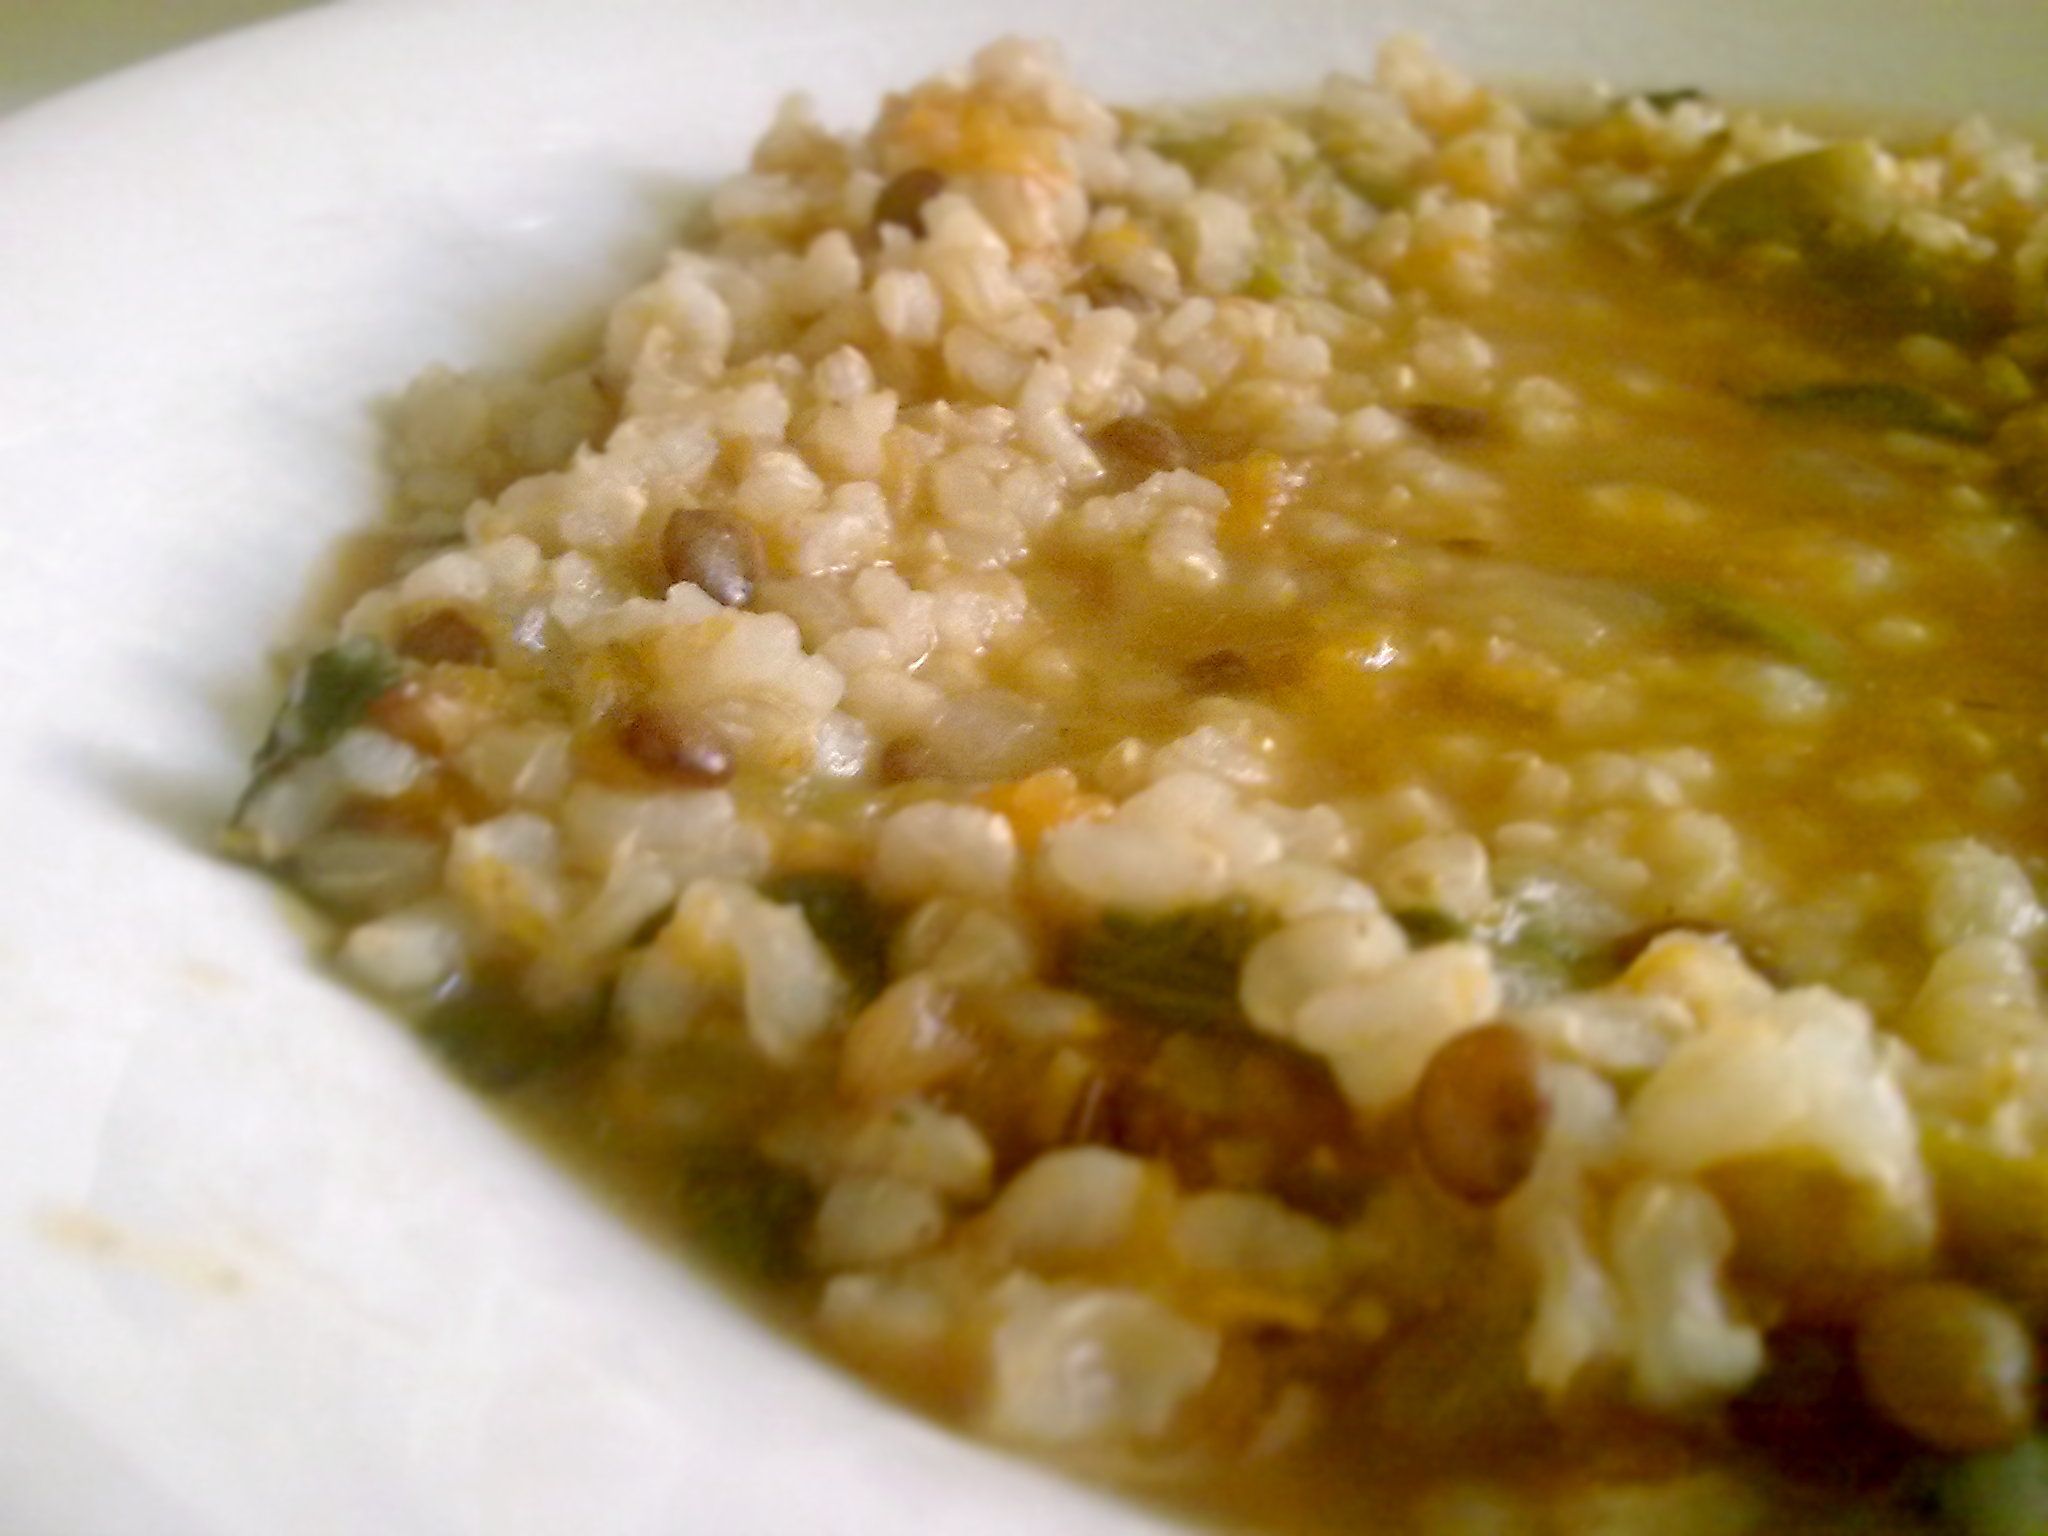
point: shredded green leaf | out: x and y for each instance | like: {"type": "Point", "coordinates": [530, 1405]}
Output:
{"type": "Point", "coordinates": [1545, 951]}
{"type": "Point", "coordinates": [1179, 970]}
{"type": "Point", "coordinates": [1755, 621]}
{"type": "Point", "coordinates": [494, 1039]}
{"type": "Point", "coordinates": [1276, 272]}
{"type": "Point", "coordinates": [1911, 288]}
{"type": "Point", "coordinates": [1265, 282]}
{"type": "Point", "coordinates": [743, 1212]}
{"type": "Point", "coordinates": [1427, 925]}
{"type": "Point", "coordinates": [331, 693]}
{"type": "Point", "coordinates": [1825, 196]}
{"type": "Point", "coordinates": [1199, 153]}
{"type": "Point", "coordinates": [844, 918]}
{"type": "Point", "coordinates": [1837, 207]}
{"type": "Point", "coordinates": [1881, 407]}
{"type": "Point", "coordinates": [1664, 101]}
{"type": "Point", "coordinates": [1521, 937]}
{"type": "Point", "coordinates": [1380, 191]}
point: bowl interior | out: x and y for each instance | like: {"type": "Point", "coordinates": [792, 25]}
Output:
{"type": "Point", "coordinates": [268, 1269]}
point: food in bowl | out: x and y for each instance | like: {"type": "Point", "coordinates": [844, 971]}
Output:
{"type": "Point", "coordinates": [1332, 805]}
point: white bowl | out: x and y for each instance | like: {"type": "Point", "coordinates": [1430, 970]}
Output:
{"type": "Point", "coordinates": [265, 1269]}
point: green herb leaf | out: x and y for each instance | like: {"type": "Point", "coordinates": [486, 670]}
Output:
{"type": "Point", "coordinates": [1199, 153]}
{"type": "Point", "coordinates": [1179, 970]}
{"type": "Point", "coordinates": [1548, 954]}
{"type": "Point", "coordinates": [1881, 407]}
{"type": "Point", "coordinates": [1910, 288]}
{"type": "Point", "coordinates": [1826, 196]}
{"type": "Point", "coordinates": [1837, 208]}
{"type": "Point", "coordinates": [1664, 101]}
{"type": "Point", "coordinates": [1274, 274]}
{"type": "Point", "coordinates": [1265, 283]}
{"type": "Point", "coordinates": [1427, 925]}
{"type": "Point", "coordinates": [744, 1213]}
{"type": "Point", "coordinates": [1379, 191]}
{"type": "Point", "coordinates": [494, 1039]}
{"type": "Point", "coordinates": [1755, 621]}
{"type": "Point", "coordinates": [331, 693]}
{"type": "Point", "coordinates": [1521, 938]}
{"type": "Point", "coordinates": [844, 918]}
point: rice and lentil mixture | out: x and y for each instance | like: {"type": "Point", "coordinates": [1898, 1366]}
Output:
{"type": "Point", "coordinates": [1332, 806]}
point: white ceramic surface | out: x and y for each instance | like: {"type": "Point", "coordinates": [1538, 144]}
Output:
{"type": "Point", "coordinates": [261, 1269]}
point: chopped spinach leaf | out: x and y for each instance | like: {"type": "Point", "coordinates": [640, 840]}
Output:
{"type": "Point", "coordinates": [331, 693]}
{"type": "Point", "coordinates": [1836, 207]}
{"type": "Point", "coordinates": [1179, 970]}
{"type": "Point", "coordinates": [1880, 407]}
{"type": "Point", "coordinates": [1199, 153]}
{"type": "Point", "coordinates": [844, 918]}
{"type": "Point", "coordinates": [1428, 925]}
{"type": "Point", "coordinates": [1548, 953]}
{"type": "Point", "coordinates": [1278, 267]}
{"type": "Point", "coordinates": [1677, 96]}
{"type": "Point", "coordinates": [1266, 282]}
{"type": "Point", "coordinates": [494, 1039]}
{"type": "Point", "coordinates": [1755, 621]}
{"type": "Point", "coordinates": [1522, 937]}
{"type": "Point", "coordinates": [743, 1212]}
{"type": "Point", "coordinates": [1370, 186]}
{"type": "Point", "coordinates": [1810, 201]}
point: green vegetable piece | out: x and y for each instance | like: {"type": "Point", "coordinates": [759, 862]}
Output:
{"type": "Point", "coordinates": [1377, 189]}
{"type": "Point", "coordinates": [844, 918]}
{"type": "Point", "coordinates": [1810, 201]}
{"type": "Point", "coordinates": [1279, 257]}
{"type": "Point", "coordinates": [1664, 101]}
{"type": "Point", "coordinates": [492, 1038]}
{"type": "Point", "coordinates": [1913, 289]}
{"type": "Point", "coordinates": [1755, 621]}
{"type": "Point", "coordinates": [1541, 950]}
{"type": "Point", "coordinates": [743, 1212]}
{"type": "Point", "coordinates": [1265, 282]}
{"type": "Point", "coordinates": [1427, 925]}
{"type": "Point", "coordinates": [1881, 407]}
{"type": "Point", "coordinates": [1521, 938]}
{"type": "Point", "coordinates": [1836, 207]}
{"type": "Point", "coordinates": [1199, 153]}
{"type": "Point", "coordinates": [331, 693]}
{"type": "Point", "coordinates": [1179, 970]}
{"type": "Point", "coordinates": [2003, 1494]}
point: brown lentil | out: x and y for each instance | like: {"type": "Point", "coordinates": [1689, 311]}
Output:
{"type": "Point", "coordinates": [445, 636]}
{"type": "Point", "coordinates": [1480, 1113]}
{"type": "Point", "coordinates": [718, 552]}
{"type": "Point", "coordinates": [902, 198]}
{"type": "Point", "coordinates": [1140, 445]}
{"type": "Point", "coordinates": [1447, 423]}
{"type": "Point", "coordinates": [1224, 671]}
{"type": "Point", "coordinates": [678, 745]}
